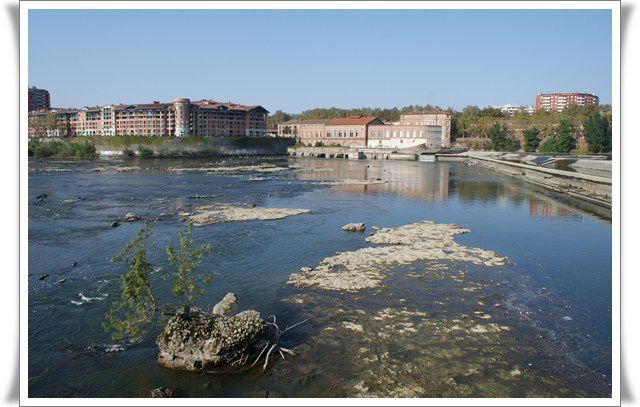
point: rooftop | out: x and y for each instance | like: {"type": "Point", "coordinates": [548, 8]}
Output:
{"type": "Point", "coordinates": [352, 120]}
{"type": "Point", "coordinates": [305, 121]}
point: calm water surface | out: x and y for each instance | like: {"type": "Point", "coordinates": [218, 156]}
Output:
{"type": "Point", "coordinates": [553, 298]}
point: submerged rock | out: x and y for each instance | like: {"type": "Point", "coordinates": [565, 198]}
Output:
{"type": "Point", "coordinates": [225, 305]}
{"type": "Point", "coordinates": [42, 276]}
{"type": "Point", "coordinates": [162, 392]}
{"type": "Point", "coordinates": [354, 227]}
{"type": "Point", "coordinates": [195, 341]}
{"type": "Point", "coordinates": [130, 217]}
{"type": "Point", "coordinates": [262, 168]}
{"type": "Point", "coordinates": [347, 181]}
{"type": "Point", "coordinates": [208, 214]}
{"type": "Point", "coordinates": [364, 268]}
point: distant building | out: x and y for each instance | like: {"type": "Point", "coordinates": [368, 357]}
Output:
{"type": "Point", "coordinates": [431, 129]}
{"type": "Point", "coordinates": [179, 118]}
{"type": "Point", "coordinates": [431, 118]}
{"type": "Point", "coordinates": [511, 110]}
{"type": "Point", "coordinates": [556, 102]}
{"type": "Point", "coordinates": [39, 99]}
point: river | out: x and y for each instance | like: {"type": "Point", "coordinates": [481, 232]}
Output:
{"type": "Point", "coordinates": [421, 332]}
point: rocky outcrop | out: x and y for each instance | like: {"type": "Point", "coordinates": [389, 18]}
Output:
{"type": "Point", "coordinates": [130, 217]}
{"type": "Point", "coordinates": [224, 306]}
{"type": "Point", "coordinates": [214, 213]}
{"type": "Point", "coordinates": [354, 227]}
{"type": "Point", "coordinates": [195, 341]}
{"type": "Point", "coordinates": [161, 392]}
{"type": "Point", "coordinates": [365, 267]}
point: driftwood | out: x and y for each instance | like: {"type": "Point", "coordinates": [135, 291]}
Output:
{"type": "Point", "coordinates": [273, 344]}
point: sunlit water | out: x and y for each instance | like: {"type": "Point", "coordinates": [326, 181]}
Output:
{"type": "Point", "coordinates": [554, 296]}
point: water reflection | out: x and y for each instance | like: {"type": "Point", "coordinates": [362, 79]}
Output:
{"type": "Point", "coordinates": [442, 181]}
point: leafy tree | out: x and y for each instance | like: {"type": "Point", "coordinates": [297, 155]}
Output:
{"type": "Point", "coordinates": [491, 112]}
{"type": "Point", "coordinates": [135, 309]}
{"type": "Point", "coordinates": [549, 145]}
{"type": "Point", "coordinates": [565, 136]}
{"type": "Point", "coordinates": [277, 118]}
{"type": "Point", "coordinates": [187, 282]}
{"type": "Point", "coordinates": [130, 315]}
{"type": "Point", "coordinates": [500, 140]}
{"type": "Point", "coordinates": [531, 139]}
{"type": "Point", "coordinates": [597, 132]}
{"type": "Point", "coordinates": [471, 111]}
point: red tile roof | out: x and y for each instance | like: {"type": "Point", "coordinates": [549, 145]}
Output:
{"type": "Point", "coordinates": [352, 120]}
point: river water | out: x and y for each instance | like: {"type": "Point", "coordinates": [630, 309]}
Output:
{"type": "Point", "coordinates": [548, 309]}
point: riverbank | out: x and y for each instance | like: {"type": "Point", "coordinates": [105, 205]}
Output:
{"type": "Point", "coordinates": [590, 188]}
{"type": "Point", "coordinates": [130, 146]}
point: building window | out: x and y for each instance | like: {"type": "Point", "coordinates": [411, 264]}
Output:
{"type": "Point", "coordinates": [350, 134]}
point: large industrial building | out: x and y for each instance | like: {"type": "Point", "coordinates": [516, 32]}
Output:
{"type": "Point", "coordinates": [430, 128]}
{"type": "Point", "coordinates": [180, 118]}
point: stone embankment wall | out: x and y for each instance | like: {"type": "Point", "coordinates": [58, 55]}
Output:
{"type": "Point", "coordinates": [594, 189]}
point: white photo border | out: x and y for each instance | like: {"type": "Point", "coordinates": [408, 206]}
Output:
{"type": "Point", "coordinates": [614, 6]}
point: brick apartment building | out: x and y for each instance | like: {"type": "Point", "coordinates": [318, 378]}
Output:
{"type": "Point", "coordinates": [556, 102]}
{"type": "Point", "coordinates": [179, 118]}
{"type": "Point", "coordinates": [39, 99]}
{"type": "Point", "coordinates": [431, 128]}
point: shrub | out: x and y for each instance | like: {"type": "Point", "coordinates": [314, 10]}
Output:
{"type": "Point", "coordinates": [145, 152]}
{"type": "Point", "coordinates": [128, 153]}
{"type": "Point", "coordinates": [57, 148]}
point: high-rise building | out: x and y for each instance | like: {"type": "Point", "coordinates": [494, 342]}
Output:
{"type": "Point", "coordinates": [556, 102]}
{"type": "Point", "coordinates": [39, 99]}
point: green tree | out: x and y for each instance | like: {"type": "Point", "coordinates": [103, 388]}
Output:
{"type": "Point", "coordinates": [277, 118]}
{"type": "Point", "coordinates": [565, 134]}
{"type": "Point", "coordinates": [134, 310]}
{"type": "Point", "coordinates": [531, 139]}
{"type": "Point", "coordinates": [549, 145]}
{"type": "Point", "coordinates": [597, 132]}
{"type": "Point", "coordinates": [500, 140]}
{"type": "Point", "coordinates": [188, 283]}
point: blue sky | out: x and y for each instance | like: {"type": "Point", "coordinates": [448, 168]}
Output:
{"type": "Point", "coordinates": [296, 60]}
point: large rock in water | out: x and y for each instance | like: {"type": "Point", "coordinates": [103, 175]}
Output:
{"type": "Point", "coordinates": [225, 306]}
{"type": "Point", "coordinates": [354, 227]}
{"type": "Point", "coordinates": [195, 341]}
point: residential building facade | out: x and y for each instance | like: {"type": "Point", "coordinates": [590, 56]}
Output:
{"type": "Point", "coordinates": [39, 99]}
{"type": "Point", "coordinates": [431, 129]}
{"type": "Point", "coordinates": [180, 118]}
{"type": "Point", "coordinates": [556, 102]}
{"type": "Point", "coordinates": [512, 110]}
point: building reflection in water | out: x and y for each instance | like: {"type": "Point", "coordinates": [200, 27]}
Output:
{"type": "Point", "coordinates": [411, 180]}
{"type": "Point", "coordinates": [486, 188]}
{"type": "Point", "coordinates": [435, 182]}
